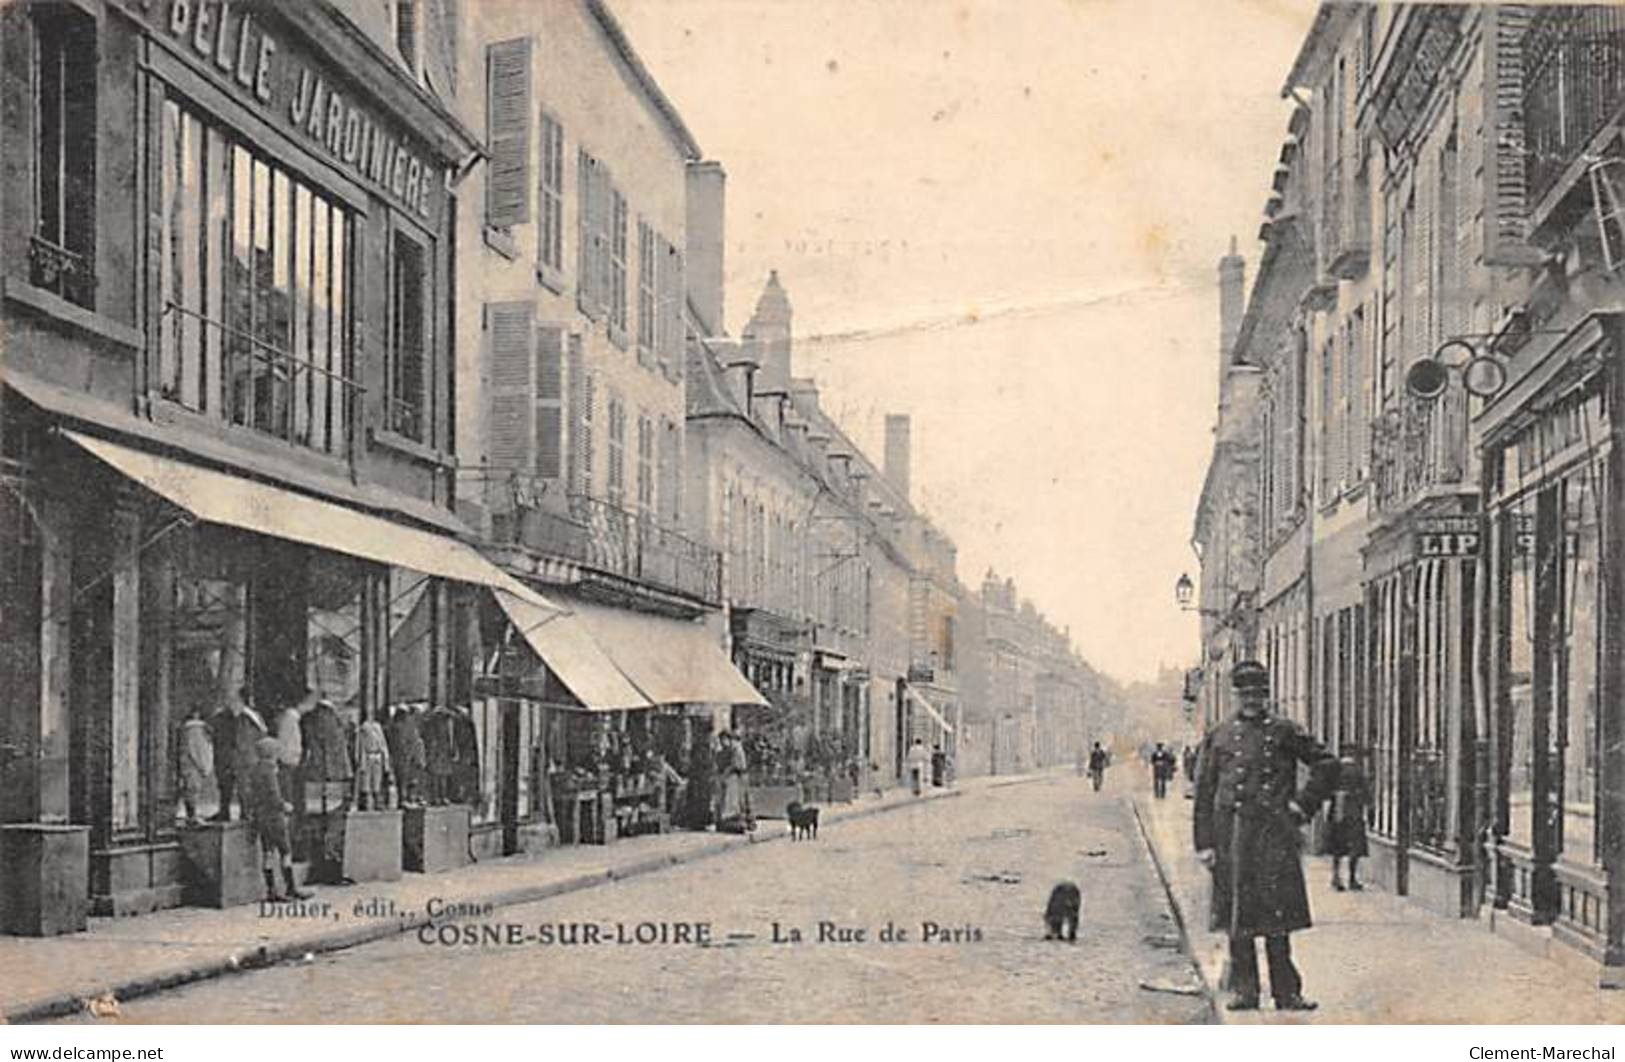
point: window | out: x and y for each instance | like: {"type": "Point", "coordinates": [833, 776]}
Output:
{"type": "Point", "coordinates": [253, 274]}
{"type": "Point", "coordinates": [646, 482]}
{"type": "Point", "coordinates": [406, 32]}
{"type": "Point", "coordinates": [646, 293]}
{"type": "Point", "coordinates": [581, 398]}
{"type": "Point", "coordinates": [507, 124]}
{"type": "Point", "coordinates": [617, 264]}
{"type": "Point", "coordinates": [669, 302]}
{"type": "Point", "coordinates": [409, 304]}
{"type": "Point", "coordinates": [550, 240]}
{"type": "Point", "coordinates": [615, 477]}
{"type": "Point", "coordinates": [62, 253]}
{"type": "Point", "coordinates": [592, 235]}
{"type": "Point", "coordinates": [671, 465]}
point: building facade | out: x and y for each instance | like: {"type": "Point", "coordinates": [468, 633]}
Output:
{"type": "Point", "coordinates": [227, 399]}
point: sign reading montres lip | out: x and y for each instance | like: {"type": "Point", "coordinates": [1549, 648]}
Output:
{"type": "Point", "coordinates": [1448, 536]}
{"type": "Point", "coordinates": [234, 41]}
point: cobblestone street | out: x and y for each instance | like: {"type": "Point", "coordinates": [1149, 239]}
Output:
{"type": "Point", "coordinates": [981, 865]}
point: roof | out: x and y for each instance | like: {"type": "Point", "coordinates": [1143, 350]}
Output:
{"type": "Point", "coordinates": [645, 80]}
{"type": "Point", "coordinates": [1317, 45]}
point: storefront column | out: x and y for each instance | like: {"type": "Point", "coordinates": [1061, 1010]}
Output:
{"type": "Point", "coordinates": [124, 724]}
{"type": "Point", "coordinates": [1548, 632]}
{"type": "Point", "coordinates": [56, 609]}
{"type": "Point", "coordinates": [1611, 721]}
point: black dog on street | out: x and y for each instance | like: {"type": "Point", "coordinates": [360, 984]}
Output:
{"type": "Point", "coordinates": [1062, 912]}
{"type": "Point", "coordinates": [803, 821]}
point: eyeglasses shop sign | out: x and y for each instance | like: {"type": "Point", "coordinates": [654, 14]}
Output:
{"type": "Point", "coordinates": [1448, 536]}
{"type": "Point", "coordinates": [231, 41]}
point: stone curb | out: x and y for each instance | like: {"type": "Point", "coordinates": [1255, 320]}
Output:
{"type": "Point", "coordinates": [1209, 987]}
{"type": "Point", "coordinates": [63, 1003]}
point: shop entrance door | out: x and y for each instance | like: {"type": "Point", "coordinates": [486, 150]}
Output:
{"type": "Point", "coordinates": [508, 749]}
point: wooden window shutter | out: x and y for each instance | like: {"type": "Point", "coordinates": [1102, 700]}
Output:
{"type": "Point", "coordinates": [509, 339]}
{"type": "Point", "coordinates": [549, 401]}
{"type": "Point", "coordinates": [671, 299]}
{"type": "Point", "coordinates": [580, 384]}
{"type": "Point", "coordinates": [1506, 201]}
{"type": "Point", "coordinates": [507, 185]}
{"type": "Point", "coordinates": [584, 259]}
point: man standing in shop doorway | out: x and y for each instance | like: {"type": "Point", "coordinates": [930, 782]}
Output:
{"type": "Point", "coordinates": [1248, 817]}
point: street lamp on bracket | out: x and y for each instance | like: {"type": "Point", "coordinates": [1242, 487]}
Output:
{"type": "Point", "coordinates": [1185, 594]}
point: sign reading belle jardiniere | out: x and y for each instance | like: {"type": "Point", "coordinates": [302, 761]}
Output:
{"type": "Point", "coordinates": [298, 96]}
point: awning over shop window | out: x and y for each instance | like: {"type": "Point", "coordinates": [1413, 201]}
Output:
{"type": "Point", "coordinates": [930, 709]}
{"type": "Point", "coordinates": [220, 498]}
{"type": "Point", "coordinates": [671, 661]}
{"type": "Point", "coordinates": [569, 650]}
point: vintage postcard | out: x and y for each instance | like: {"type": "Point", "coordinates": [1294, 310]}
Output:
{"type": "Point", "coordinates": [776, 511]}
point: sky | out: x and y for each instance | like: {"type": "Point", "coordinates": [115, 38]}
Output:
{"type": "Point", "coordinates": [1004, 218]}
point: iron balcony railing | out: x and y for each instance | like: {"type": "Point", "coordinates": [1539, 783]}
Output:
{"type": "Point", "coordinates": [1418, 445]}
{"type": "Point", "coordinates": [1574, 85]}
{"type": "Point", "coordinates": [608, 538]}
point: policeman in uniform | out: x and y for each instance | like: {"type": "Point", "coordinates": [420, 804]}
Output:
{"type": "Point", "coordinates": [1249, 811]}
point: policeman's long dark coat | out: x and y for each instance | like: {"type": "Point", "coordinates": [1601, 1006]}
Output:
{"type": "Point", "coordinates": [1246, 774]}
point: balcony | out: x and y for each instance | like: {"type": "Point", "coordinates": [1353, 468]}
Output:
{"type": "Point", "coordinates": [606, 538]}
{"type": "Point", "coordinates": [1417, 446]}
{"type": "Point", "coordinates": [1574, 86]}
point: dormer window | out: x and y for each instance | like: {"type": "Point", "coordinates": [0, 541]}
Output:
{"type": "Point", "coordinates": [406, 13]}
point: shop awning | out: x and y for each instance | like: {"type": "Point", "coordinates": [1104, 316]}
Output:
{"type": "Point", "coordinates": [671, 661]}
{"type": "Point", "coordinates": [221, 498]}
{"type": "Point", "coordinates": [930, 709]}
{"type": "Point", "coordinates": [569, 650]}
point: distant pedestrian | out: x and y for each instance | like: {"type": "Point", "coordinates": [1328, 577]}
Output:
{"type": "Point", "coordinates": [1188, 755]}
{"type": "Point", "coordinates": [1347, 835]}
{"type": "Point", "coordinates": [1162, 770]}
{"type": "Point", "coordinates": [919, 762]}
{"type": "Point", "coordinates": [1246, 830]}
{"type": "Point", "coordinates": [1098, 761]}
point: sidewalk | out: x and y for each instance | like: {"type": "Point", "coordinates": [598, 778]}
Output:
{"type": "Point", "coordinates": [129, 957]}
{"type": "Point", "coordinates": [1372, 957]}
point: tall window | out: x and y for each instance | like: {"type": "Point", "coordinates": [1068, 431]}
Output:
{"type": "Point", "coordinates": [550, 240]}
{"type": "Point", "coordinates": [62, 253]}
{"type": "Point", "coordinates": [646, 481]}
{"type": "Point", "coordinates": [615, 477]}
{"type": "Point", "coordinates": [409, 303]}
{"type": "Point", "coordinates": [617, 262]}
{"type": "Point", "coordinates": [646, 293]}
{"type": "Point", "coordinates": [253, 273]}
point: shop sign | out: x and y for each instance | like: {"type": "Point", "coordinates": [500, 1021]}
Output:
{"type": "Point", "coordinates": [1448, 536]}
{"type": "Point", "coordinates": [299, 97]}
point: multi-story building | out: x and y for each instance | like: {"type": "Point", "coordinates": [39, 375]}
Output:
{"type": "Point", "coordinates": [1550, 673]}
{"type": "Point", "coordinates": [1226, 532]}
{"type": "Point", "coordinates": [227, 401]}
{"type": "Point", "coordinates": [573, 317]}
{"type": "Point", "coordinates": [1438, 406]}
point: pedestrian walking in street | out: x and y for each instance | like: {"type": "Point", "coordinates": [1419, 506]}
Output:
{"type": "Point", "coordinates": [1162, 770]}
{"type": "Point", "coordinates": [1248, 817]}
{"type": "Point", "coordinates": [919, 762]}
{"type": "Point", "coordinates": [733, 770]}
{"type": "Point", "coordinates": [267, 814]}
{"type": "Point", "coordinates": [1098, 761]}
{"type": "Point", "coordinates": [196, 762]}
{"type": "Point", "coordinates": [1347, 835]}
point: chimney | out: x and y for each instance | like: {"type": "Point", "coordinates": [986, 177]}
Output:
{"type": "Point", "coordinates": [1232, 276]}
{"type": "Point", "coordinates": [702, 270]}
{"type": "Point", "coordinates": [897, 452]}
{"type": "Point", "coordinates": [769, 325]}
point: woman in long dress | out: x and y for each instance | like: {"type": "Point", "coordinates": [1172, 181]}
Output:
{"type": "Point", "coordinates": [732, 768]}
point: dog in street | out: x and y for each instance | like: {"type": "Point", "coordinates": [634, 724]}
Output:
{"type": "Point", "coordinates": [803, 821]}
{"type": "Point", "coordinates": [1061, 914]}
